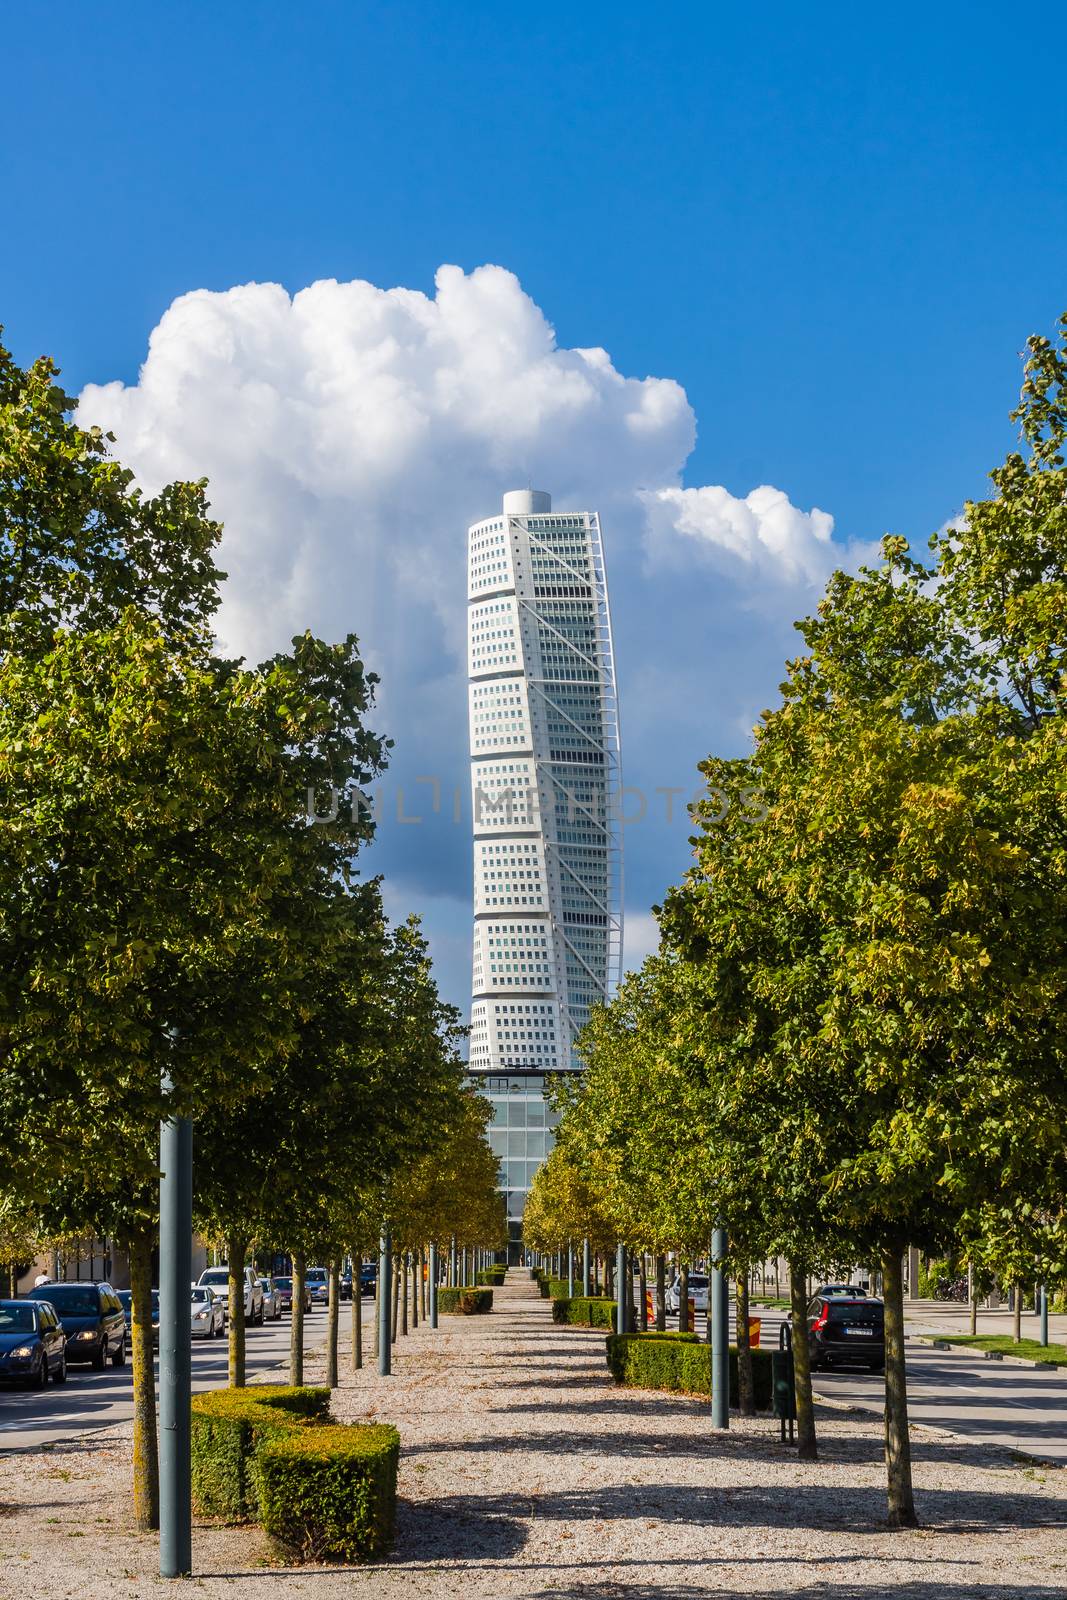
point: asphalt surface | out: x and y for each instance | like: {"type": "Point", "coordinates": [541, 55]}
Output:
{"type": "Point", "coordinates": [996, 1402]}
{"type": "Point", "coordinates": [31, 1418]}
{"type": "Point", "coordinates": [1014, 1405]}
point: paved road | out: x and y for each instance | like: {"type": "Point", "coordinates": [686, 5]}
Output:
{"type": "Point", "coordinates": [992, 1402]}
{"type": "Point", "coordinates": [32, 1418]}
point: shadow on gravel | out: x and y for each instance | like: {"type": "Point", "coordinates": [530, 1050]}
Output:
{"type": "Point", "coordinates": [462, 1528]}
{"type": "Point", "coordinates": [833, 1447]}
{"type": "Point", "coordinates": [859, 1509]}
{"type": "Point", "coordinates": [936, 1589]}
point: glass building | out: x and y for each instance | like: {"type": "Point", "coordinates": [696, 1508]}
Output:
{"type": "Point", "coordinates": [545, 780]}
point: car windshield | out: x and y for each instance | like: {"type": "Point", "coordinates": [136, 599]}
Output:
{"type": "Point", "coordinates": [215, 1275]}
{"type": "Point", "coordinates": [18, 1319]}
{"type": "Point", "coordinates": [861, 1311]}
{"type": "Point", "coordinates": [265, 1283]}
{"type": "Point", "coordinates": [126, 1299]}
{"type": "Point", "coordinates": [284, 1283]}
{"type": "Point", "coordinates": [316, 1275]}
{"type": "Point", "coordinates": [202, 1294]}
{"type": "Point", "coordinates": [696, 1281]}
{"type": "Point", "coordinates": [70, 1299]}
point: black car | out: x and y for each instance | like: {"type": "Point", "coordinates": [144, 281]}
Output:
{"type": "Point", "coordinates": [846, 1329]}
{"type": "Point", "coordinates": [368, 1277]}
{"type": "Point", "coordinates": [345, 1284]}
{"type": "Point", "coordinates": [32, 1344]}
{"type": "Point", "coordinates": [125, 1298]}
{"type": "Point", "coordinates": [93, 1321]}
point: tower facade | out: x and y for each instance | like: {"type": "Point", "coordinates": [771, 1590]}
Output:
{"type": "Point", "coordinates": [545, 781]}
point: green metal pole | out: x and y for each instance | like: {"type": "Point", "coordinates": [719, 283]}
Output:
{"type": "Point", "coordinates": [622, 1296]}
{"type": "Point", "coordinates": [585, 1268]}
{"type": "Point", "coordinates": [1043, 1311]}
{"type": "Point", "coordinates": [433, 1286]}
{"type": "Point", "coordinates": [719, 1328]}
{"type": "Point", "coordinates": [175, 1363]}
{"type": "Point", "coordinates": [570, 1269]}
{"type": "Point", "coordinates": [385, 1302]}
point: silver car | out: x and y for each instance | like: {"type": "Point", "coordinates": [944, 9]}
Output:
{"type": "Point", "coordinates": [207, 1313]}
{"type": "Point", "coordinates": [698, 1292]}
{"type": "Point", "coordinates": [272, 1299]}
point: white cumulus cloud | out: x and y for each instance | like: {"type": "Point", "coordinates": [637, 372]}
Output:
{"type": "Point", "coordinates": [350, 433]}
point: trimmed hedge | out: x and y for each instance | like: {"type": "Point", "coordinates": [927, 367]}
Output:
{"type": "Point", "coordinates": [228, 1428]}
{"type": "Point", "coordinates": [465, 1302]}
{"type": "Point", "coordinates": [491, 1277]}
{"type": "Point", "coordinates": [681, 1363]}
{"type": "Point", "coordinates": [329, 1494]}
{"type": "Point", "coordinates": [582, 1312]}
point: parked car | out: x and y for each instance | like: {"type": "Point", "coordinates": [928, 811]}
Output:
{"type": "Point", "coordinates": [272, 1300]}
{"type": "Point", "coordinates": [318, 1282]}
{"type": "Point", "coordinates": [207, 1313]}
{"type": "Point", "coordinates": [285, 1294]}
{"type": "Point", "coordinates": [218, 1278]}
{"type": "Point", "coordinates": [368, 1277]}
{"type": "Point", "coordinates": [126, 1302]}
{"type": "Point", "coordinates": [346, 1284]}
{"type": "Point", "coordinates": [93, 1321]}
{"type": "Point", "coordinates": [844, 1328]}
{"type": "Point", "coordinates": [33, 1346]}
{"type": "Point", "coordinates": [698, 1292]}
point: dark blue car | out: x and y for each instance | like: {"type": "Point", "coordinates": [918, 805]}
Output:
{"type": "Point", "coordinates": [92, 1320]}
{"type": "Point", "coordinates": [32, 1344]}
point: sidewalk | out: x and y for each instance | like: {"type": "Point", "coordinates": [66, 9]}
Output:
{"type": "Point", "coordinates": [525, 1473]}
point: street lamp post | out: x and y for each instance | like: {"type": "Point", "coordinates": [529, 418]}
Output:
{"type": "Point", "coordinates": [433, 1285]}
{"type": "Point", "coordinates": [622, 1292]}
{"type": "Point", "coordinates": [585, 1268]}
{"type": "Point", "coordinates": [385, 1301]}
{"type": "Point", "coordinates": [175, 1365]}
{"type": "Point", "coordinates": [719, 1329]}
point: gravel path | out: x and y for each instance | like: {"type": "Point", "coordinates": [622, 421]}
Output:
{"type": "Point", "coordinates": [524, 1472]}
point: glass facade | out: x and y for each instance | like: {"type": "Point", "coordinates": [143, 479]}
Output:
{"type": "Point", "coordinates": [545, 779]}
{"type": "Point", "coordinates": [520, 1135]}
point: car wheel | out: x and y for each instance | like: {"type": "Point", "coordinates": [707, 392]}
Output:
{"type": "Point", "coordinates": [119, 1358]}
{"type": "Point", "coordinates": [100, 1357]}
{"type": "Point", "coordinates": [39, 1378]}
{"type": "Point", "coordinates": [60, 1374]}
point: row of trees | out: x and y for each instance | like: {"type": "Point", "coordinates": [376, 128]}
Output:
{"type": "Point", "coordinates": [177, 935]}
{"type": "Point", "coordinates": [852, 1038]}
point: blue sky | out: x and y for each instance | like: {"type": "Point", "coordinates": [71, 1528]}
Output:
{"type": "Point", "coordinates": [832, 232]}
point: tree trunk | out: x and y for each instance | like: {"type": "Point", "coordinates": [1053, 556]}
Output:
{"type": "Point", "coordinates": [807, 1445]}
{"type": "Point", "coordinates": [661, 1294]}
{"type": "Point", "coordinates": [332, 1316]}
{"type": "Point", "coordinates": [642, 1295]}
{"type": "Point", "coordinates": [897, 1441]}
{"type": "Point", "coordinates": [1017, 1314]}
{"type": "Point", "coordinates": [416, 1278]}
{"type": "Point", "coordinates": [746, 1393]}
{"type": "Point", "coordinates": [609, 1277]}
{"type": "Point", "coordinates": [357, 1312]}
{"type": "Point", "coordinates": [377, 1307]}
{"type": "Point", "coordinates": [395, 1275]}
{"type": "Point", "coordinates": [145, 1438]}
{"type": "Point", "coordinates": [296, 1331]}
{"type": "Point", "coordinates": [424, 1304]}
{"type": "Point", "coordinates": [236, 1247]}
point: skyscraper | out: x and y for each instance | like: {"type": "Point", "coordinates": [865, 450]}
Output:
{"type": "Point", "coordinates": [544, 743]}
